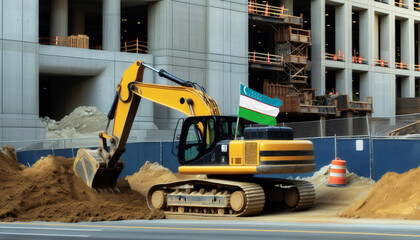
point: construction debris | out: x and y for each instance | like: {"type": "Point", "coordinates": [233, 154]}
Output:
{"type": "Point", "coordinates": [82, 122]}
{"type": "Point", "coordinates": [394, 196]}
{"type": "Point", "coordinates": [410, 129]}
{"type": "Point", "coordinates": [50, 191]}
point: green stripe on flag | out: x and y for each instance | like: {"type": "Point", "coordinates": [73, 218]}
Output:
{"type": "Point", "coordinates": [256, 117]}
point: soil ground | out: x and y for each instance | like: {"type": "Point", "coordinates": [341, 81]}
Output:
{"type": "Point", "coordinates": [50, 191]}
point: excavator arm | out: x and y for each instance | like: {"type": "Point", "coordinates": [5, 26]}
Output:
{"type": "Point", "coordinates": [100, 168]}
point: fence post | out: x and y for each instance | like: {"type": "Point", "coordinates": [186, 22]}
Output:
{"type": "Point", "coordinates": [370, 149]}
{"type": "Point", "coordinates": [335, 146]}
{"type": "Point", "coordinates": [161, 153]}
{"type": "Point", "coordinates": [72, 150]}
{"type": "Point", "coordinates": [52, 149]}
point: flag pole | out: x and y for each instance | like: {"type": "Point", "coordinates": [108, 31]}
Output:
{"type": "Point", "coordinates": [236, 129]}
{"type": "Point", "coordinates": [237, 121]}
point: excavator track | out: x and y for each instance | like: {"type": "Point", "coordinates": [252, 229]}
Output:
{"type": "Point", "coordinates": [214, 197]}
{"type": "Point", "coordinates": [208, 197]}
{"type": "Point", "coordinates": [306, 193]}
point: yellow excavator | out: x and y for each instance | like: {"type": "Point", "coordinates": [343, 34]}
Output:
{"type": "Point", "coordinates": [207, 145]}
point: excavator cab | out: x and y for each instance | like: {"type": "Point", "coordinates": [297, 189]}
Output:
{"type": "Point", "coordinates": [202, 139]}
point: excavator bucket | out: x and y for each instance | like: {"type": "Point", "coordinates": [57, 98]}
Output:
{"type": "Point", "coordinates": [95, 172]}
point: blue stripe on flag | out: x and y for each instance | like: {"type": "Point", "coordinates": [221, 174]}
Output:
{"type": "Point", "coordinates": [246, 91]}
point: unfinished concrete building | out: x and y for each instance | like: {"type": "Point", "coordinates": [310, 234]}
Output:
{"type": "Point", "coordinates": [60, 54]}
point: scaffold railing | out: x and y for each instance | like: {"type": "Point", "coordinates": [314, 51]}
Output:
{"type": "Point", "coordinates": [335, 56]}
{"type": "Point", "coordinates": [358, 59]}
{"type": "Point", "coordinates": [134, 46]}
{"type": "Point", "coordinates": [381, 63]}
{"type": "Point", "coordinates": [401, 3]}
{"type": "Point", "coordinates": [73, 41]}
{"type": "Point", "coordinates": [401, 65]}
{"type": "Point", "coordinates": [417, 6]}
{"type": "Point", "coordinates": [267, 10]}
{"type": "Point", "coordinates": [265, 58]}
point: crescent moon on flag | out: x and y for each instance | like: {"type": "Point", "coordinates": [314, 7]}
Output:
{"type": "Point", "coordinates": [244, 90]}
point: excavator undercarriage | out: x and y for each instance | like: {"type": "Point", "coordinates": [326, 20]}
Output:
{"type": "Point", "coordinates": [217, 197]}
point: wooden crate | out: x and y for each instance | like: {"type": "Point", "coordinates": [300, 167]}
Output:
{"type": "Point", "coordinates": [275, 90]}
{"type": "Point", "coordinates": [290, 104]}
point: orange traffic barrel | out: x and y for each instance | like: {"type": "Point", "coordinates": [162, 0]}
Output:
{"type": "Point", "coordinates": [337, 173]}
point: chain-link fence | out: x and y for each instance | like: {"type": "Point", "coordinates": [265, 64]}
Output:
{"type": "Point", "coordinates": [397, 126]}
{"type": "Point", "coordinates": [401, 126]}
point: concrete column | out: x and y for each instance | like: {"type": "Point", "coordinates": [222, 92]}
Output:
{"type": "Point", "coordinates": [342, 30]}
{"type": "Point", "coordinates": [364, 35]}
{"type": "Point", "coordinates": [410, 4]}
{"type": "Point", "coordinates": [407, 89]}
{"type": "Point", "coordinates": [387, 38]}
{"type": "Point", "coordinates": [343, 81]}
{"type": "Point", "coordinates": [318, 45]}
{"type": "Point", "coordinates": [78, 22]}
{"type": "Point", "coordinates": [406, 41]}
{"type": "Point", "coordinates": [111, 25]}
{"type": "Point", "coordinates": [365, 86]}
{"type": "Point", "coordinates": [411, 44]}
{"type": "Point", "coordinates": [288, 4]}
{"type": "Point", "coordinates": [59, 18]}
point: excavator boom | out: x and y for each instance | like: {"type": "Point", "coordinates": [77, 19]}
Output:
{"type": "Point", "coordinates": [100, 168]}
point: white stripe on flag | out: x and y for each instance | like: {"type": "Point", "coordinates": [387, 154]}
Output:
{"type": "Point", "coordinates": [257, 106]}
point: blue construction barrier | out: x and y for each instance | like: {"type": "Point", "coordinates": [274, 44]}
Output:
{"type": "Point", "coordinates": [357, 157]}
{"type": "Point", "coordinates": [395, 155]}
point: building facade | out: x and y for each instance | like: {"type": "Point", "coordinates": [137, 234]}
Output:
{"type": "Point", "coordinates": [201, 41]}
{"type": "Point", "coordinates": [204, 41]}
{"type": "Point", "coordinates": [383, 33]}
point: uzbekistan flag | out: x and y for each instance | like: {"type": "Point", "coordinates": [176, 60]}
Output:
{"type": "Point", "coordinates": [257, 107]}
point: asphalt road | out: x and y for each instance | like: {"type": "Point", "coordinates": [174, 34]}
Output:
{"type": "Point", "coordinates": [205, 229]}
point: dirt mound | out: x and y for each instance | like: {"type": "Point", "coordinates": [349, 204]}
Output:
{"type": "Point", "coordinates": [394, 196]}
{"type": "Point", "coordinates": [336, 199]}
{"type": "Point", "coordinates": [82, 122]}
{"type": "Point", "coordinates": [321, 178]}
{"type": "Point", "coordinates": [8, 163]}
{"type": "Point", "coordinates": [49, 191]}
{"type": "Point", "coordinates": [151, 174]}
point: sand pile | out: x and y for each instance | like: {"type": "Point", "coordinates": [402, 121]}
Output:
{"type": "Point", "coordinates": [394, 196]}
{"type": "Point", "coordinates": [49, 191]}
{"type": "Point", "coordinates": [82, 122]}
{"type": "Point", "coordinates": [336, 199]}
{"type": "Point", "coordinates": [154, 173]}
{"type": "Point", "coordinates": [149, 175]}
